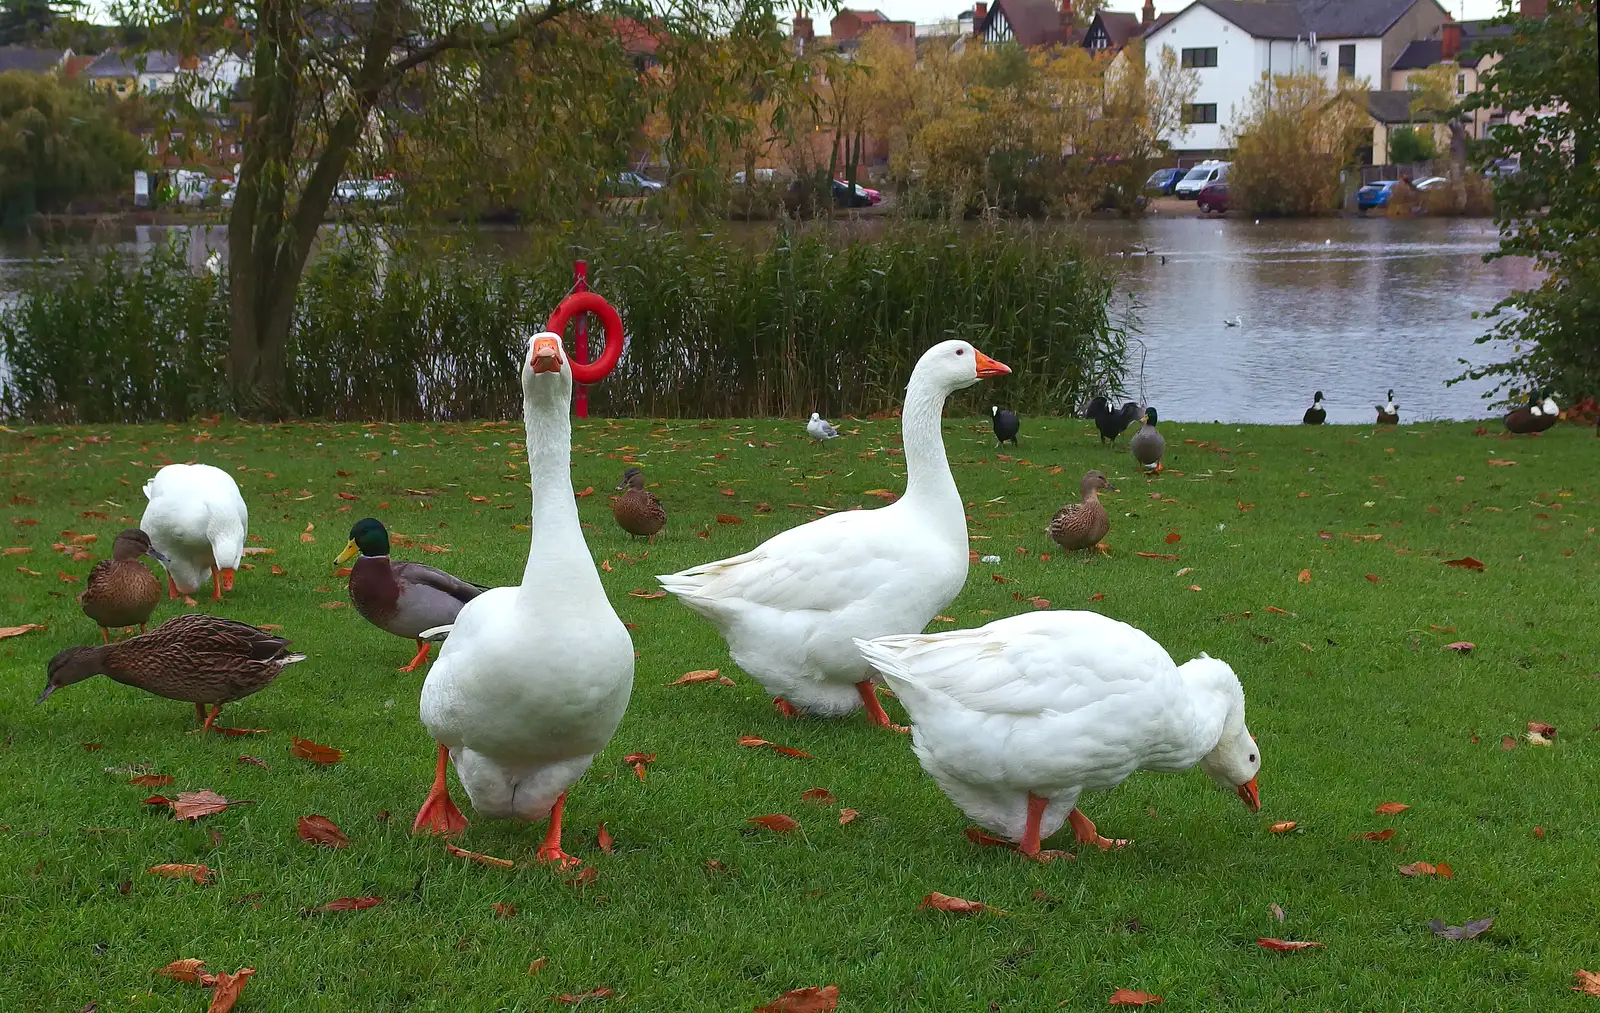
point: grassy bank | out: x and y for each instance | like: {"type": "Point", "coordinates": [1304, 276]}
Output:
{"type": "Point", "coordinates": [1351, 693]}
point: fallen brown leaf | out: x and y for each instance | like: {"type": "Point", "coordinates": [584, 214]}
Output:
{"type": "Point", "coordinates": [816, 999]}
{"type": "Point", "coordinates": [1374, 578]}
{"type": "Point", "coordinates": [305, 749]}
{"type": "Point", "coordinates": [1462, 646]}
{"type": "Point", "coordinates": [1390, 808]}
{"type": "Point", "coordinates": [1540, 728]}
{"type": "Point", "coordinates": [1500, 462]}
{"type": "Point", "coordinates": [585, 877]}
{"type": "Point", "coordinates": [191, 805]}
{"type": "Point", "coordinates": [227, 988]}
{"type": "Point", "coordinates": [538, 964]}
{"type": "Point", "coordinates": [1173, 537]}
{"type": "Point", "coordinates": [17, 631]}
{"type": "Point", "coordinates": [351, 904]}
{"type": "Point", "coordinates": [1305, 577]}
{"type": "Point", "coordinates": [640, 592]}
{"type": "Point", "coordinates": [151, 780]}
{"type": "Point", "coordinates": [505, 911]}
{"type": "Point", "coordinates": [638, 761]}
{"type": "Point", "coordinates": [729, 519]}
{"type": "Point", "coordinates": [1130, 997]}
{"type": "Point", "coordinates": [703, 675]}
{"type": "Point", "coordinates": [306, 535]}
{"type": "Point", "coordinates": [1442, 870]}
{"type": "Point", "coordinates": [1588, 983]}
{"type": "Point", "coordinates": [1284, 945]}
{"type": "Point", "coordinates": [1283, 827]}
{"type": "Point", "coordinates": [753, 742]}
{"type": "Point", "coordinates": [820, 796]}
{"type": "Point", "coordinates": [778, 823]}
{"type": "Point", "coordinates": [321, 830]}
{"type": "Point", "coordinates": [1157, 555]}
{"type": "Point", "coordinates": [1374, 835]}
{"type": "Point", "coordinates": [593, 993]}
{"type": "Point", "coordinates": [187, 969]}
{"type": "Point", "coordinates": [1465, 562]}
{"type": "Point", "coordinates": [954, 905]}
{"type": "Point", "coordinates": [253, 761]}
{"type": "Point", "coordinates": [175, 870]}
{"type": "Point", "coordinates": [603, 839]}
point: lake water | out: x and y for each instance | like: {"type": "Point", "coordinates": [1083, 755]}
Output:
{"type": "Point", "coordinates": [1348, 306]}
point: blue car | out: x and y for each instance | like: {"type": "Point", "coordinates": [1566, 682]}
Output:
{"type": "Point", "coordinates": [1375, 195]}
{"type": "Point", "coordinates": [1162, 181]}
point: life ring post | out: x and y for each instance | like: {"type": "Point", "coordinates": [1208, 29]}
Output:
{"type": "Point", "coordinates": [583, 372]}
{"type": "Point", "coordinates": [580, 346]}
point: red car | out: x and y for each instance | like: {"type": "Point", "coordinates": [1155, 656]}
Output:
{"type": "Point", "coordinates": [1213, 198]}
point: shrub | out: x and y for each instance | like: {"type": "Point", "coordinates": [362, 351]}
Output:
{"type": "Point", "coordinates": [1408, 144]}
{"type": "Point", "coordinates": [1296, 137]}
{"type": "Point", "coordinates": [57, 142]}
{"type": "Point", "coordinates": [808, 320]}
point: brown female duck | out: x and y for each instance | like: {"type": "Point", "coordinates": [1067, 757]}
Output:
{"type": "Point", "coordinates": [637, 510]}
{"type": "Point", "coordinates": [401, 598]}
{"type": "Point", "coordinates": [1083, 524]}
{"type": "Point", "coordinates": [196, 658]}
{"type": "Point", "coordinates": [121, 591]}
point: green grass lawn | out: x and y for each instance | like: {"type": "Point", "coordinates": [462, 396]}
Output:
{"type": "Point", "coordinates": [1350, 691]}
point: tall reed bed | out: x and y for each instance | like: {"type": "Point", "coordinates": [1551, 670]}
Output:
{"type": "Point", "coordinates": [782, 323]}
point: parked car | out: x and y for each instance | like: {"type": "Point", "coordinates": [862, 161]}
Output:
{"type": "Point", "coordinates": [872, 196]}
{"type": "Point", "coordinates": [1162, 181]}
{"type": "Point", "coordinates": [383, 190]}
{"type": "Point", "coordinates": [1429, 183]}
{"type": "Point", "coordinates": [1503, 167]}
{"type": "Point", "coordinates": [1213, 198]}
{"type": "Point", "coordinates": [844, 197]}
{"type": "Point", "coordinates": [761, 176]}
{"type": "Point", "coordinates": [1200, 177]}
{"type": "Point", "coordinates": [1375, 195]}
{"type": "Point", "coordinates": [631, 184]}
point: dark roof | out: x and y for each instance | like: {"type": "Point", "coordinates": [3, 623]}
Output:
{"type": "Point", "coordinates": [121, 63]}
{"type": "Point", "coordinates": [1120, 26]}
{"type": "Point", "coordinates": [34, 61]}
{"type": "Point", "coordinates": [1391, 106]}
{"type": "Point", "coordinates": [1293, 19]}
{"type": "Point", "coordinates": [1427, 52]}
{"type": "Point", "coordinates": [1033, 22]}
{"type": "Point", "coordinates": [1161, 22]}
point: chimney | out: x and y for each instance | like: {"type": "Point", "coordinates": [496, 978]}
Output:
{"type": "Point", "coordinates": [1450, 40]}
{"type": "Point", "coordinates": [1533, 8]}
{"type": "Point", "coordinates": [1147, 17]}
{"type": "Point", "coordinates": [1066, 19]}
{"type": "Point", "coordinates": [803, 33]}
{"type": "Point", "coordinates": [980, 11]}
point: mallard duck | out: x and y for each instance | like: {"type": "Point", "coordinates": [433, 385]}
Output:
{"type": "Point", "coordinates": [1016, 719]}
{"type": "Point", "coordinates": [195, 658]}
{"type": "Point", "coordinates": [533, 679]}
{"type": "Point", "coordinates": [1111, 423]}
{"type": "Point", "coordinates": [1006, 425]}
{"type": "Point", "coordinates": [789, 608]}
{"type": "Point", "coordinates": [1147, 445]}
{"type": "Point", "coordinates": [637, 510]}
{"type": "Point", "coordinates": [821, 429]}
{"type": "Point", "coordinates": [197, 518]}
{"type": "Point", "coordinates": [121, 591]}
{"type": "Point", "coordinates": [1316, 415]}
{"type": "Point", "coordinates": [1535, 416]}
{"type": "Point", "coordinates": [1083, 524]}
{"type": "Point", "coordinates": [400, 598]}
{"type": "Point", "coordinates": [1388, 412]}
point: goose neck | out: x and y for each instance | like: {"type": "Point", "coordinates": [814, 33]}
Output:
{"type": "Point", "coordinates": [556, 537]}
{"type": "Point", "coordinates": [928, 475]}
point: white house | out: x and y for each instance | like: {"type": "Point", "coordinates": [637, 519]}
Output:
{"type": "Point", "coordinates": [1235, 44]}
{"type": "Point", "coordinates": [207, 79]}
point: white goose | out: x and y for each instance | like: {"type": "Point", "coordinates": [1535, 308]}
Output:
{"type": "Point", "coordinates": [1017, 718]}
{"type": "Point", "coordinates": [534, 679]}
{"type": "Point", "coordinates": [198, 520]}
{"type": "Point", "coordinates": [790, 608]}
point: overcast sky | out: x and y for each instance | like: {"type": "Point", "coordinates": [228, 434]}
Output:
{"type": "Point", "coordinates": [938, 10]}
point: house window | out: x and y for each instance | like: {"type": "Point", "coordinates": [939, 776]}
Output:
{"type": "Point", "coordinates": [1461, 84]}
{"type": "Point", "coordinates": [1200, 112]}
{"type": "Point", "coordinates": [1347, 60]}
{"type": "Point", "coordinates": [1098, 40]}
{"type": "Point", "coordinates": [1324, 56]}
{"type": "Point", "coordinates": [1206, 57]}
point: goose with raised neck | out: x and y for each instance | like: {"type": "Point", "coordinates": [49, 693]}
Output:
{"type": "Point", "coordinates": [790, 608]}
{"type": "Point", "coordinates": [533, 680]}
{"type": "Point", "coordinates": [1016, 719]}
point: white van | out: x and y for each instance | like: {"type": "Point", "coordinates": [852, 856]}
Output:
{"type": "Point", "coordinates": [1200, 177]}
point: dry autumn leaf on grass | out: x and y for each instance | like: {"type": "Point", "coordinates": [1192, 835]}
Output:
{"type": "Point", "coordinates": [1131, 997]}
{"type": "Point", "coordinates": [191, 805]}
{"type": "Point", "coordinates": [1390, 808]}
{"type": "Point", "coordinates": [351, 904]}
{"type": "Point", "coordinates": [1461, 647]}
{"type": "Point", "coordinates": [151, 780]}
{"type": "Point", "coordinates": [955, 905]}
{"type": "Point", "coordinates": [1441, 869]}
{"type": "Point", "coordinates": [187, 969]}
{"type": "Point", "coordinates": [703, 675]}
{"type": "Point", "coordinates": [305, 749]}
{"type": "Point", "coordinates": [639, 761]}
{"type": "Point", "coordinates": [603, 839]}
{"type": "Point", "coordinates": [177, 870]}
{"type": "Point", "coordinates": [1588, 982]}
{"type": "Point", "coordinates": [821, 796]}
{"type": "Point", "coordinates": [321, 830]}
{"type": "Point", "coordinates": [1283, 826]}
{"type": "Point", "coordinates": [17, 631]}
{"type": "Point", "coordinates": [226, 988]}
{"type": "Point", "coordinates": [778, 823]}
{"type": "Point", "coordinates": [1305, 577]}
{"type": "Point", "coordinates": [847, 816]}
{"type": "Point", "coordinates": [574, 999]}
{"type": "Point", "coordinates": [1284, 945]}
{"type": "Point", "coordinates": [1374, 835]}
{"type": "Point", "coordinates": [1465, 562]}
{"type": "Point", "coordinates": [816, 999]}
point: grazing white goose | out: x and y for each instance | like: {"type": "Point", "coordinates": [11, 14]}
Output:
{"type": "Point", "coordinates": [533, 679]}
{"type": "Point", "coordinates": [1016, 719]}
{"type": "Point", "coordinates": [198, 521]}
{"type": "Point", "coordinates": [821, 429]}
{"type": "Point", "coordinates": [790, 608]}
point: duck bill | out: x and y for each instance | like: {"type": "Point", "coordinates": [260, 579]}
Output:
{"type": "Point", "coordinates": [156, 554]}
{"type": "Point", "coordinates": [1250, 795]}
{"type": "Point", "coordinates": [990, 367]}
{"type": "Point", "coordinates": [227, 578]}
{"type": "Point", "coordinates": [49, 688]}
{"type": "Point", "coordinates": [350, 552]}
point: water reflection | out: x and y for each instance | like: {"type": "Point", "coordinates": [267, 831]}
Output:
{"type": "Point", "coordinates": [1350, 307]}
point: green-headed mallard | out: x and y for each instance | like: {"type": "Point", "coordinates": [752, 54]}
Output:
{"type": "Point", "coordinates": [121, 591]}
{"type": "Point", "coordinates": [1147, 444]}
{"type": "Point", "coordinates": [637, 510]}
{"type": "Point", "coordinates": [400, 598]}
{"type": "Point", "coordinates": [1540, 413]}
{"type": "Point", "coordinates": [1083, 524]}
{"type": "Point", "coordinates": [1388, 412]}
{"type": "Point", "coordinates": [1316, 415]}
{"type": "Point", "coordinates": [195, 658]}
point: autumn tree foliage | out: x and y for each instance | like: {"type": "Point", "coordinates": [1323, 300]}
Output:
{"type": "Point", "coordinates": [1296, 137]}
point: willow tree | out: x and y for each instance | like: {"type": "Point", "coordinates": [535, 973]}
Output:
{"type": "Point", "coordinates": [542, 100]}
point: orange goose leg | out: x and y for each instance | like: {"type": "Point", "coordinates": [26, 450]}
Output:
{"type": "Point", "coordinates": [439, 814]}
{"type": "Point", "coordinates": [875, 712]}
{"type": "Point", "coordinates": [1029, 845]}
{"type": "Point", "coordinates": [550, 850]}
{"type": "Point", "coordinates": [1085, 832]}
{"type": "Point", "coordinates": [422, 655]}
{"type": "Point", "coordinates": [216, 583]}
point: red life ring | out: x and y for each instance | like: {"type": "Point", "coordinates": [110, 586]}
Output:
{"type": "Point", "coordinates": [590, 302]}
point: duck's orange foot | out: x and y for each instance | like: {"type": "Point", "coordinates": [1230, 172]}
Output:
{"type": "Point", "coordinates": [875, 711]}
{"type": "Point", "coordinates": [785, 708]}
{"type": "Point", "coordinates": [422, 655]}
{"type": "Point", "coordinates": [439, 816]}
{"type": "Point", "coordinates": [552, 853]}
